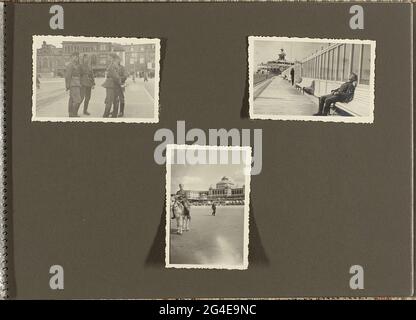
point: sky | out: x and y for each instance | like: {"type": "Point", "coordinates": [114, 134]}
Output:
{"type": "Point", "coordinates": [57, 40]}
{"type": "Point", "coordinates": [269, 50]}
{"type": "Point", "coordinates": [200, 177]}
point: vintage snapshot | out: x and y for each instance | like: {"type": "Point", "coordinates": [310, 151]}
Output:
{"type": "Point", "coordinates": [311, 79]}
{"type": "Point", "coordinates": [207, 206]}
{"type": "Point", "coordinates": [95, 79]}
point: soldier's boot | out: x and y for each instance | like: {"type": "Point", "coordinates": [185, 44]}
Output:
{"type": "Point", "coordinates": [107, 110]}
{"type": "Point", "coordinates": [121, 109]}
{"type": "Point", "coordinates": [86, 108]}
{"type": "Point", "coordinates": [76, 108]}
{"type": "Point", "coordinates": [321, 107]}
{"type": "Point", "coordinates": [114, 114]}
{"type": "Point", "coordinates": [327, 107]}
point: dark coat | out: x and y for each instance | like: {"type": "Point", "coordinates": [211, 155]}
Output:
{"type": "Point", "coordinates": [113, 77]}
{"type": "Point", "coordinates": [123, 74]}
{"type": "Point", "coordinates": [346, 91]}
{"type": "Point", "coordinates": [87, 76]}
{"type": "Point", "coordinates": [72, 75]}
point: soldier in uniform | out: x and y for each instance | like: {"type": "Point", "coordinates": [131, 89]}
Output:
{"type": "Point", "coordinates": [181, 197]}
{"type": "Point", "coordinates": [344, 93]}
{"type": "Point", "coordinates": [111, 84]}
{"type": "Point", "coordinates": [73, 84]}
{"type": "Point", "coordinates": [120, 92]}
{"type": "Point", "coordinates": [87, 82]}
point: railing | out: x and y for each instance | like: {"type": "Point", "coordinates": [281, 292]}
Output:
{"type": "Point", "coordinates": [259, 77]}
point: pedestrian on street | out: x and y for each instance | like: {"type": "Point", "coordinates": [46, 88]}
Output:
{"type": "Point", "coordinates": [73, 84]}
{"type": "Point", "coordinates": [145, 77]}
{"type": "Point", "coordinates": [87, 82]}
{"type": "Point", "coordinates": [292, 75]}
{"type": "Point", "coordinates": [111, 83]}
{"type": "Point", "coordinates": [214, 208]}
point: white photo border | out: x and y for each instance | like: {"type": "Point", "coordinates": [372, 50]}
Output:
{"type": "Point", "coordinates": [346, 119]}
{"type": "Point", "coordinates": [247, 149]}
{"type": "Point", "coordinates": [154, 119]}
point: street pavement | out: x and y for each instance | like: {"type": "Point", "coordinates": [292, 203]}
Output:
{"type": "Point", "coordinates": [52, 99]}
{"type": "Point", "coordinates": [215, 240]}
{"type": "Point", "coordinates": [281, 98]}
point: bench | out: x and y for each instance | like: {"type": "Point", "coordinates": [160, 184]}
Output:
{"type": "Point", "coordinates": [358, 106]}
{"type": "Point", "coordinates": [306, 84]}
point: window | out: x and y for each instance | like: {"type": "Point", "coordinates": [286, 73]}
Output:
{"type": "Point", "coordinates": [365, 64]}
{"type": "Point", "coordinates": [355, 64]}
{"type": "Point", "coordinates": [330, 59]}
{"type": "Point", "coordinates": [347, 61]}
{"type": "Point", "coordinates": [141, 60]}
{"type": "Point", "coordinates": [341, 62]}
{"type": "Point", "coordinates": [335, 64]}
{"type": "Point", "coordinates": [318, 74]}
{"type": "Point", "coordinates": [325, 66]}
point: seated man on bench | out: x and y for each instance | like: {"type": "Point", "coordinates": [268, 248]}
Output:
{"type": "Point", "coordinates": [344, 93]}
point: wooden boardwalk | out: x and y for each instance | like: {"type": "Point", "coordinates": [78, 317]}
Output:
{"type": "Point", "coordinates": [280, 98]}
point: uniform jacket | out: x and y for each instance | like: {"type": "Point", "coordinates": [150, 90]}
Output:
{"type": "Point", "coordinates": [122, 74]}
{"type": "Point", "coordinates": [346, 91]}
{"type": "Point", "coordinates": [113, 77]}
{"type": "Point", "coordinates": [87, 76]}
{"type": "Point", "coordinates": [72, 75]}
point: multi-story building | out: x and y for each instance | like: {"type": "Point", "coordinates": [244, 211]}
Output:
{"type": "Point", "coordinates": [99, 53]}
{"type": "Point", "coordinates": [225, 191]}
{"type": "Point", "coordinates": [49, 60]}
{"type": "Point", "coordinates": [138, 58]}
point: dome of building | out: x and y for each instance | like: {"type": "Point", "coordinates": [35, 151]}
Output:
{"type": "Point", "coordinates": [225, 183]}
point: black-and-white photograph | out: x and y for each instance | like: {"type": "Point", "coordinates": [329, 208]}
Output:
{"type": "Point", "coordinates": [207, 206]}
{"type": "Point", "coordinates": [311, 79]}
{"type": "Point", "coordinates": [95, 79]}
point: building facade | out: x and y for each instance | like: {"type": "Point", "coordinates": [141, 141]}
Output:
{"type": "Point", "coordinates": [139, 58]}
{"type": "Point", "coordinates": [225, 192]}
{"type": "Point", "coordinates": [49, 60]}
{"type": "Point", "coordinates": [332, 65]}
